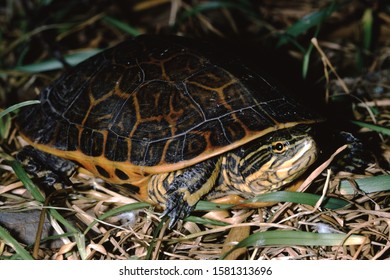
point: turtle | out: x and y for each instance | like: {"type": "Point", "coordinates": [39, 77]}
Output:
{"type": "Point", "coordinates": [173, 120]}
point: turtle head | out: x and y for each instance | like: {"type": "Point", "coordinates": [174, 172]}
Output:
{"type": "Point", "coordinates": [277, 159]}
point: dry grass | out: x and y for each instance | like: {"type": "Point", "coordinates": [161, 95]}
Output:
{"type": "Point", "coordinates": [344, 64]}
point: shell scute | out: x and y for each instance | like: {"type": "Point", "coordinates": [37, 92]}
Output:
{"type": "Point", "coordinates": [156, 104]}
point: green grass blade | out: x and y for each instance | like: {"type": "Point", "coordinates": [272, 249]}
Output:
{"type": "Point", "coordinates": [5, 119]}
{"type": "Point", "coordinates": [307, 22]}
{"type": "Point", "coordinates": [367, 185]}
{"type": "Point", "coordinates": [377, 128]}
{"type": "Point", "coordinates": [5, 126]}
{"type": "Point", "coordinates": [281, 196]}
{"type": "Point", "coordinates": [368, 21]}
{"type": "Point", "coordinates": [17, 106]}
{"type": "Point", "coordinates": [301, 198]}
{"type": "Point", "coordinates": [209, 206]}
{"type": "Point", "coordinates": [70, 228]}
{"type": "Point", "coordinates": [8, 239]}
{"type": "Point", "coordinates": [37, 195]}
{"type": "Point", "coordinates": [306, 56]}
{"type": "Point", "coordinates": [117, 211]}
{"type": "Point", "coordinates": [306, 61]}
{"type": "Point", "coordinates": [297, 238]}
{"type": "Point", "coordinates": [80, 243]}
{"type": "Point", "coordinates": [27, 182]}
{"type": "Point", "coordinates": [54, 64]}
{"type": "Point", "coordinates": [30, 186]}
{"type": "Point", "coordinates": [152, 244]}
{"type": "Point", "coordinates": [204, 221]}
{"type": "Point", "coordinates": [122, 26]}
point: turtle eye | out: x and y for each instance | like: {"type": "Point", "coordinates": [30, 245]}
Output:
{"type": "Point", "coordinates": [279, 147]}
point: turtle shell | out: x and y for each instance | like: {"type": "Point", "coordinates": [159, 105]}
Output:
{"type": "Point", "coordinates": [155, 104]}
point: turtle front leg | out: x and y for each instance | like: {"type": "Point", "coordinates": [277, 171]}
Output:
{"type": "Point", "coordinates": [354, 158]}
{"type": "Point", "coordinates": [180, 191]}
{"type": "Point", "coordinates": [49, 169]}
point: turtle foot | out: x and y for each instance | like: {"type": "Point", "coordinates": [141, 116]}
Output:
{"type": "Point", "coordinates": [176, 208]}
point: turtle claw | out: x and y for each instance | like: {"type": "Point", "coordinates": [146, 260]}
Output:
{"type": "Point", "coordinates": [176, 208]}
{"type": "Point", "coordinates": [187, 188]}
{"type": "Point", "coordinates": [354, 159]}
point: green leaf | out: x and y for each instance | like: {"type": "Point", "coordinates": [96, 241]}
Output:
{"type": "Point", "coordinates": [301, 198]}
{"type": "Point", "coordinates": [377, 128]}
{"type": "Point", "coordinates": [306, 56]}
{"type": "Point", "coordinates": [80, 242]}
{"type": "Point", "coordinates": [204, 221]}
{"type": "Point", "coordinates": [54, 64]}
{"type": "Point", "coordinates": [307, 22]}
{"type": "Point", "coordinates": [297, 238]}
{"type": "Point", "coordinates": [122, 26]}
{"type": "Point", "coordinates": [368, 185]}
{"type": "Point", "coordinates": [37, 195]}
{"type": "Point", "coordinates": [156, 233]}
{"type": "Point", "coordinates": [280, 196]}
{"type": "Point", "coordinates": [5, 126]}
{"type": "Point", "coordinates": [209, 206]}
{"type": "Point", "coordinates": [17, 106]}
{"type": "Point", "coordinates": [368, 21]}
{"type": "Point", "coordinates": [8, 239]}
{"type": "Point", "coordinates": [117, 211]}
{"type": "Point", "coordinates": [27, 182]}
